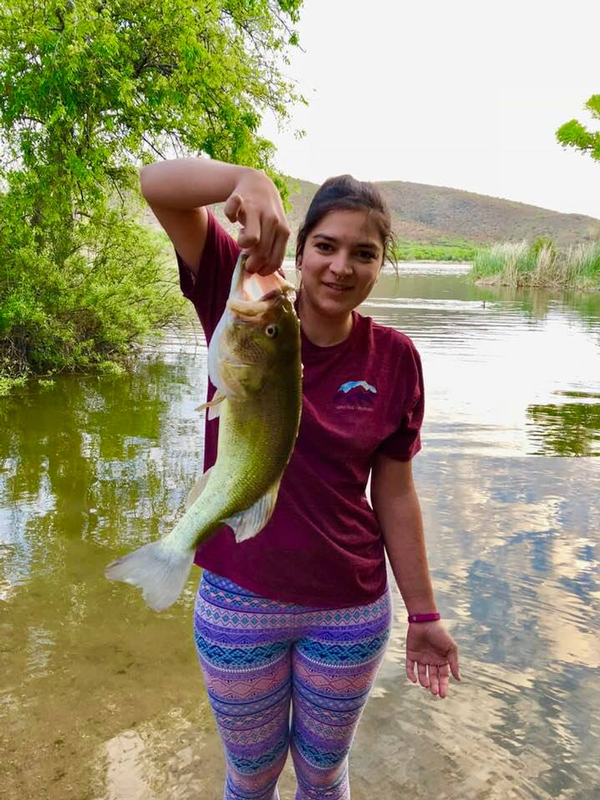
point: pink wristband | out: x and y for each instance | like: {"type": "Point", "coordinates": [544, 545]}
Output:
{"type": "Point", "coordinates": [433, 617]}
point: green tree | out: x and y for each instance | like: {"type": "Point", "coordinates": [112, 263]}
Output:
{"type": "Point", "coordinates": [91, 89]}
{"type": "Point", "coordinates": [574, 134]}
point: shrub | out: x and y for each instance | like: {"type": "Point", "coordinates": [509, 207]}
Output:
{"type": "Point", "coordinates": [87, 307]}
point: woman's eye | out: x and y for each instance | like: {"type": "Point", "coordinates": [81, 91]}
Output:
{"type": "Point", "coordinates": [367, 255]}
{"type": "Point", "coordinates": [323, 247]}
{"type": "Point", "coordinates": [271, 331]}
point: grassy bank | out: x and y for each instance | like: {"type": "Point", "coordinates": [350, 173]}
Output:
{"type": "Point", "coordinates": [448, 250]}
{"type": "Point", "coordinates": [539, 264]}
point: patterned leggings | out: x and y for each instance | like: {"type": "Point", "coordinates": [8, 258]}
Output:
{"type": "Point", "coordinates": [260, 655]}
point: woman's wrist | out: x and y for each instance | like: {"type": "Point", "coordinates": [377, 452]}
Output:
{"type": "Point", "coordinates": [252, 183]}
{"type": "Point", "coordinates": [432, 616]}
{"type": "Point", "coordinates": [421, 602]}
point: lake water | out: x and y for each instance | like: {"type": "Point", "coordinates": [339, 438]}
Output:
{"type": "Point", "coordinates": [101, 699]}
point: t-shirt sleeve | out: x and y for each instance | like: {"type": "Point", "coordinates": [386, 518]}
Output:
{"type": "Point", "coordinates": [210, 289]}
{"type": "Point", "coordinates": [405, 442]}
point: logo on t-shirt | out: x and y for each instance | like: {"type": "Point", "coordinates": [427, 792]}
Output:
{"type": "Point", "coordinates": [355, 395]}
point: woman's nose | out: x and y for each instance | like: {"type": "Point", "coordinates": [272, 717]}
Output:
{"type": "Point", "coordinates": [340, 264]}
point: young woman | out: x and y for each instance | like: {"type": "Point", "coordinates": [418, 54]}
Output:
{"type": "Point", "coordinates": [299, 616]}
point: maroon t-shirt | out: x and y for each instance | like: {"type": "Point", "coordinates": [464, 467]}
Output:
{"type": "Point", "coordinates": [322, 546]}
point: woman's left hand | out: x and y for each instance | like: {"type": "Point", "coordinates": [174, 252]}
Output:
{"type": "Point", "coordinates": [430, 647]}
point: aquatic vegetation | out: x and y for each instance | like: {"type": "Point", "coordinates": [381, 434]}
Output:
{"type": "Point", "coordinates": [539, 264]}
{"type": "Point", "coordinates": [582, 264]}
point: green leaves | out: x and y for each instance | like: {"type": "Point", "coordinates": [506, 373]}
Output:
{"type": "Point", "coordinates": [118, 81]}
{"type": "Point", "coordinates": [574, 134]}
{"type": "Point", "coordinates": [93, 88]}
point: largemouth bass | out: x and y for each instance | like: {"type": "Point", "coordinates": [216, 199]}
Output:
{"type": "Point", "coordinates": [254, 361]}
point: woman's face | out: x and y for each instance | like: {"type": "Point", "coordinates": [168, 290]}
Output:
{"type": "Point", "coordinates": [342, 258]}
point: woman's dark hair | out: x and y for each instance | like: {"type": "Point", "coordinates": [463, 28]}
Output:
{"type": "Point", "coordinates": [345, 193]}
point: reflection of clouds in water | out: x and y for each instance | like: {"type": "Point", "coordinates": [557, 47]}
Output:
{"type": "Point", "coordinates": [512, 539]}
{"type": "Point", "coordinates": [15, 516]}
{"type": "Point", "coordinates": [160, 760]}
{"type": "Point", "coordinates": [477, 755]}
{"type": "Point", "coordinates": [126, 775]}
{"type": "Point", "coordinates": [508, 541]}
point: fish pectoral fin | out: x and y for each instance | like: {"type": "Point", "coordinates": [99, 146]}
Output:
{"type": "Point", "coordinates": [213, 410]}
{"type": "Point", "coordinates": [248, 523]}
{"type": "Point", "coordinates": [197, 489]}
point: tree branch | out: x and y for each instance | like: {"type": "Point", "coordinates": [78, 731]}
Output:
{"type": "Point", "coordinates": [158, 153]}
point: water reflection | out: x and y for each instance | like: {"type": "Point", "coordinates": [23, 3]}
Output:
{"type": "Point", "coordinates": [101, 699]}
{"type": "Point", "coordinates": [570, 429]}
{"type": "Point", "coordinates": [490, 354]}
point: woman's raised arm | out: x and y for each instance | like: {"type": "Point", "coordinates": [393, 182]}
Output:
{"type": "Point", "coordinates": [178, 189]}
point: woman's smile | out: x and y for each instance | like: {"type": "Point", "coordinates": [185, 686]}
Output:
{"type": "Point", "coordinates": [336, 287]}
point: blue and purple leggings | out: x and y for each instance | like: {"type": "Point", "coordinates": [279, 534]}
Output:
{"type": "Point", "coordinates": [259, 657]}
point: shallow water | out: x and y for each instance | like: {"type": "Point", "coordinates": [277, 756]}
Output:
{"type": "Point", "coordinates": [102, 699]}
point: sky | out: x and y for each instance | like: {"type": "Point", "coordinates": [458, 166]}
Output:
{"type": "Point", "coordinates": [462, 93]}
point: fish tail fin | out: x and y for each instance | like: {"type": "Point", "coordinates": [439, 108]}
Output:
{"type": "Point", "coordinates": [159, 570]}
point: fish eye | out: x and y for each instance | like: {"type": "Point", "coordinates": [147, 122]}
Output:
{"type": "Point", "coordinates": [271, 331]}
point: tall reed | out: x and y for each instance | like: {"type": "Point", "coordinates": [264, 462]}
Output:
{"type": "Point", "coordinates": [582, 264]}
{"type": "Point", "coordinates": [539, 264]}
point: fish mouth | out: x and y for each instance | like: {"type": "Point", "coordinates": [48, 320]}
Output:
{"type": "Point", "coordinates": [254, 310]}
{"type": "Point", "coordinates": [245, 311]}
{"type": "Point", "coordinates": [255, 287]}
{"type": "Point", "coordinates": [254, 295]}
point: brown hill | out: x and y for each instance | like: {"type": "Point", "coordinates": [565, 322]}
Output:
{"type": "Point", "coordinates": [436, 214]}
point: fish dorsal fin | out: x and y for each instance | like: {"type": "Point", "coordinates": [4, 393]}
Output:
{"type": "Point", "coordinates": [248, 523]}
{"type": "Point", "coordinates": [197, 489]}
{"type": "Point", "coordinates": [213, 409]}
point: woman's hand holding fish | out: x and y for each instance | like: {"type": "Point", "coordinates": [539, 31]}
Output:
{"type": "Point", "coordinates": [256, 205]}
{"type": "Point", "coordinates": [434, 651]}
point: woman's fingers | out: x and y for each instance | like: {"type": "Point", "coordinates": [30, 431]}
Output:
{"type": "Point", "coordinates": [277, 249]}
{"type": "Point", "coordinates": [423, 678]}
{"type": "Point", "coordinates": [264, 233]}
{"type": "Point", "coordinates": [435, 679]}
{"type": "Point", "coordinates": [233, 206]}
{"type": "Point", "coordinates": [444, 677]}
{"type": "Point", "coordinates": [410, 670]}
{"type": "Point", "coordinates": [269, 253]}
{"type": "Point", "coordinates": [260, 259]}
{"type": "Point", "coordinates": [251, 233]}
{"type": "Point", "coordinates": [453, 661]}
{"type": "Point", "coordinates": [248, 215]}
